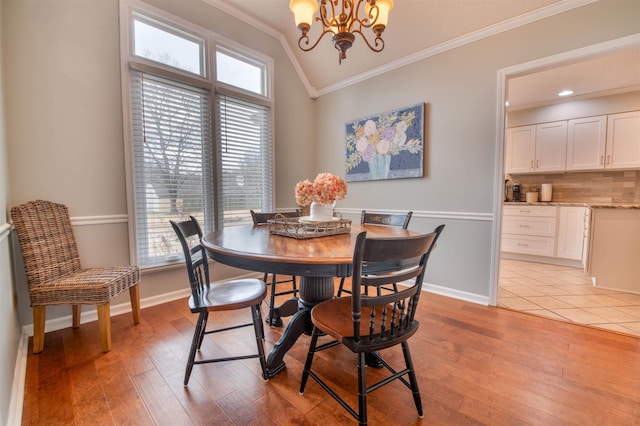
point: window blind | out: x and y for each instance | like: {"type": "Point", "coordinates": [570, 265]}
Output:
{"type": "Point", "coordinates": [245, 163]}
{"type": "Point", "coordinates": [173, 163]}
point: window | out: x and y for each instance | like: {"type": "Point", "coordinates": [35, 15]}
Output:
{"type": "Point", "coordinates": [161, 43]}
{"type": "Point", "coordinates": [198, 147]}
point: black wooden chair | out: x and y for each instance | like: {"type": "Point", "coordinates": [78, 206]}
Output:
{"type": "Point", "coordinates": [273, 319]}
{"type": "Point", "coordinates": [386, 219]}
{"type": "Point", "coordinates": [220, 296]}
{"type": "Point", "coordinates": [368, 324]}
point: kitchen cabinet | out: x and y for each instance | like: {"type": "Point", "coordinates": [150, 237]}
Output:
{"type": "Point", "coordinates": [623, 141]}
{"type": "Point", "coordinates": [573, 228]}
{"type": "Point", "coordinates": [529, 230]}
{"type": "Point", "coordinates": [586, 143]}
{"type": "Point", "coordinates": [615, 249]}
{"type": "Point", "coordinates": [539, 148]}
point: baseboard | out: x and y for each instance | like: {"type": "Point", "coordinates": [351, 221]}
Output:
{"type": "Point", "coordinates": [456, 294]}
{"type": "Point", "coordinates": [17, 390]}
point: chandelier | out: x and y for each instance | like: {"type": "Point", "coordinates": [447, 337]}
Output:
{"type": "Point", "coordinates": [342, 19]}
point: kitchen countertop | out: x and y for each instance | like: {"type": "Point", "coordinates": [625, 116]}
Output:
{"type": "Point", "coordinates": [591, 205]}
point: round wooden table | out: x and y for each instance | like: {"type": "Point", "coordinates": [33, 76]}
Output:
{"type": "Point", "coordinates": [317, 261]}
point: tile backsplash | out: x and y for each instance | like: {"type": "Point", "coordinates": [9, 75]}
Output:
{"type": "Point", "coordinates": [618, 187]}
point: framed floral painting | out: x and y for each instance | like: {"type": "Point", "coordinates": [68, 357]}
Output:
{"type": "Point", "coordinates": [385, 146]}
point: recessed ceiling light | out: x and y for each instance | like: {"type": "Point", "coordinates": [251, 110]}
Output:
{"type": "Point", "coordinates": [566, 93]}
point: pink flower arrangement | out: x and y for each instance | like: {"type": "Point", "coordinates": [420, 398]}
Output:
{"type": "Point", "coordinates": [325, 189]}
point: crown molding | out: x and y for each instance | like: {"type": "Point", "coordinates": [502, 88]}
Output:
{"type": "Point", "coordinates": [503, 26]}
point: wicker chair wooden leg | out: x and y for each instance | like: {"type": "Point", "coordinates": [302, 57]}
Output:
{"type": "Point", "coordinates": [104, 324]}
{"type": "Point", "coordinates": [134, 295]}
{"type": "Point", "coordinates": [39, 314]}
{"type": "Point", "coordinates": [76, 315]}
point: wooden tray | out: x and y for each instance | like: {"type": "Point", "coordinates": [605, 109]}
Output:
{"type": "Point", "coordinates": [300, 229]}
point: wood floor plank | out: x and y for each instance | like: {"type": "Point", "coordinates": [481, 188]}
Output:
{"type": "Point", "coordinates": [162, 404]}
{"type": "Point", "coordinates": [475, 365]}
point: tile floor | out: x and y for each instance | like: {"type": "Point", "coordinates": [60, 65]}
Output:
{"type": "Point", "coordinates": [566, 293]}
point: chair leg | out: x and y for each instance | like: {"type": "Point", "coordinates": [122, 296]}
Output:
{"type": "Point", "coordinates": [272, 304]}
{"type": "Point", "coordinates": [307, 364]}
{"type": "Point", "coordinates": [341, 287]}
{"type": "Point", "coordinates": [295, 286]}
{"type": "Point", "coordinates": [104, 324]}
{"type": "Point", "coordinates": [258, 328]}
{"type": "Point", "coordinates": [197, 338]}
{"type": "Point", "coordinates": [134, 295]}
{"type": "Point", "coordinates": [75, 314]}
{"type": "Point", "coordinates": [39, 314]}
{"type": "Point", "coordinates": [362, 390]}
{"type": "Point", "coordinates": [412, 378]}
{"type": "Point", "coordinates": [203, 329]}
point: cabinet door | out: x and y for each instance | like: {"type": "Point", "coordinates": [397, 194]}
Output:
{"type": "Point", "coordinates": [520, 149]}
{"type": "Point", "coordinates": [551, 147]}
{"type": "Point", "coordinates": [586, 139]}
{"type": "Point", "coordinates": [623, 141]}
{"type": "Point", "coordinates": [571, 232]}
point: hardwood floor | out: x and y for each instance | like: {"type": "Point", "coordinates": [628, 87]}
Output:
{"type": "Point", "coordinates": [475, 365]}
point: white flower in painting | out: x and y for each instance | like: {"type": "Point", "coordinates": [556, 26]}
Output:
{"type": "Point", "coordinates": [401, 127]}
{"type": "Point", "coordinates": [369, 127]}
{"type": "Point", "coordinates": [383, 146]}
{"type": "Point", "coordinates": [361, 144]}
{"type": "Point", "coordinates": [400, 139]}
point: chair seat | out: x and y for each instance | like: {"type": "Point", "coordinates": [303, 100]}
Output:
{"type": "Point", "coordinates": [334, 318]}
{"type": "Point", "coordinates": [230, 295]}
{"type": "Point", "coordinates": [87, 286]}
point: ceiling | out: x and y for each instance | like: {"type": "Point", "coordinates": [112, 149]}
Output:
{"type": "Point", "coordinates": [421, 28]}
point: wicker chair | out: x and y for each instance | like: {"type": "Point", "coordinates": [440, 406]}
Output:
{"type": "Point", "coordinates": [386, 219]}
{"type": "Point", "coordinates": [366, 325]}
{"type": "Point", "coordinates": [273, 319]}
{"type": "Point", "coordinates": [54, 274]}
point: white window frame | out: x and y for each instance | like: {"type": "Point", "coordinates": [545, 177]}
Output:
{"type": "Point", "coordinates": [212, 41]}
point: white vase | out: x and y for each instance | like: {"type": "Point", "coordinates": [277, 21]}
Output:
{"type": "Point", "coordinates": [321, 211]}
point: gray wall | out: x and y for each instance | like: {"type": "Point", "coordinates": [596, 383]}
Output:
{"type": "Point", "coordinates": [460, 90]}
{"type": "Point", "coordinates": [9, 325]}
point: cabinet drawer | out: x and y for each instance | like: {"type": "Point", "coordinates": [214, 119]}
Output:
{"type": "Point", "coordinates": [538, 226]}
{"type": "Point", "coordinates": [528, 210]}
{"type": "Point", "coordinates": [537, 246]}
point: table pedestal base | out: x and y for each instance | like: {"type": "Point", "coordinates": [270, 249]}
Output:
{"type": "Point", "coordinates": [313, 290]}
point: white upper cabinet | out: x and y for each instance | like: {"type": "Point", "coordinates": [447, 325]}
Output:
{"type": "Point", "coordinates": [586, 143]}
{"type": "Point", "coordinates": [551, 147]}
{"type": "Point", "coordinates": [536, 149]}
{"type": "Point", "coordinates": [623, 141]}
{"type": "Point", "coordinates": [521, 148]}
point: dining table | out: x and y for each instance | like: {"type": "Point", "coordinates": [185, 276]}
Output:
{"type": "Point", "coordinates": [316, 261]}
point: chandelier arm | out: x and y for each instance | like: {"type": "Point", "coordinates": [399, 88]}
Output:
{"type": "Point", "coordinates": [322, 18]}
{"type": "Point", "coordinates": [307, 41]}
{"type": "Point", "coordinates": [378, 44]}
{"type": "Point", "coordinates": [372, 16]}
